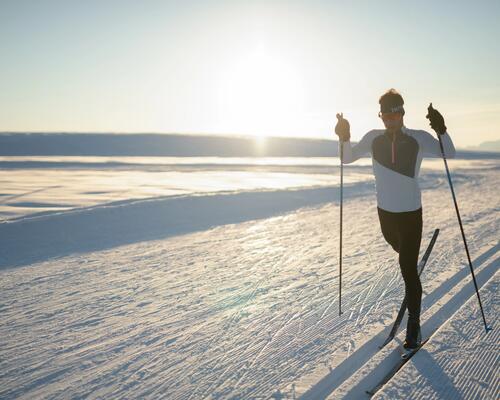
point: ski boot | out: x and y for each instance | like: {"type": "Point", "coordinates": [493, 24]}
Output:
{"type": "Point", "coordinates": [413, 335]}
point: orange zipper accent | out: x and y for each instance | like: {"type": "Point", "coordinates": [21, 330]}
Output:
{"type": "Point", "coordinates": [393, 151]}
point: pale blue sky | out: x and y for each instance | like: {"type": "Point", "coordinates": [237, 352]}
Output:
{"type": "Point", "coordinates": [247, 67]}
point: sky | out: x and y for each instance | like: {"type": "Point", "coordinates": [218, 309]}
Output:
{"type": "Point", "coordinates": [264, 68]}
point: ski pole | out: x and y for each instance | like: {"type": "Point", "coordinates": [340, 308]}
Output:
{"type": "Point", "coordinates": [462, 230]}
{"type": "Point", "coordinates": [341, 201]}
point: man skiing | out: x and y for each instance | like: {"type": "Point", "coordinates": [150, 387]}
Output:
{"type": "Point", "coordinates": [397, 154]}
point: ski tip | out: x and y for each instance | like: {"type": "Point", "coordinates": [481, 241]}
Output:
{"type": "Point", "coordinates": [488, 328]}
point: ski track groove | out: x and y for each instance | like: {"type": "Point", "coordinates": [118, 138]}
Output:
{"type": "Point", "coordinates": [463, 362]}
{"type": "Point", "coordinates": [237, 312]}
{"type": "Point", "coordinates": [230, 323]}
{"type": "Point", "coordinates": [261, 351]}
{"type": "Point", "coordinates": [287, 319]}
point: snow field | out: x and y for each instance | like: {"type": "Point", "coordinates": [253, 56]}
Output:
{"type": "Point", "coordinates": [237, 311]}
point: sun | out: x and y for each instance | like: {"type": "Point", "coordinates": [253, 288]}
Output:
{"type": "Point", "coordinates": [258, 92]}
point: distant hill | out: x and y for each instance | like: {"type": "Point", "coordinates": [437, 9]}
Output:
{"type": "Point", "coordinates": [176, 145]}
{"type": "Point", "coordinates": [493, 145]}
{"type": "Point", "coordinates": [103, 144]}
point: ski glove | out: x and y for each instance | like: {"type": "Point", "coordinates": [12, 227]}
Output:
{"type": "Point", "coordinates": [342, 129]}
{"type": "Point", "coordinates": [436, 120]}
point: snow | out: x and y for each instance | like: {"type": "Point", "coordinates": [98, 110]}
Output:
{"type": "Point", "coordinates": [46, 184]}
{"type": "Point", "coordinates": [460, 360]}
{"type": "Point", "coordinates": [233, 293]}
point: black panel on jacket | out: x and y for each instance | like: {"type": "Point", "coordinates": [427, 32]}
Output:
{"type": "Point", "coordinates": [405, 151]}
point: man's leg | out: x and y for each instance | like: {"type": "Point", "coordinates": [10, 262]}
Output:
{"type": "Point", "coordinates": [411, 235]}
{"type": "Point", "coordinates": [410, 228]}
{"type": "Point", "coordinates": [389, 227]}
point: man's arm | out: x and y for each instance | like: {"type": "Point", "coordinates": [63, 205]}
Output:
{"type": "Point", "coordinates": [349, 153]}
{"type": "Point", "coordinates": [430, 145]}
{"type": "Point", "coordinates": [353, 153]}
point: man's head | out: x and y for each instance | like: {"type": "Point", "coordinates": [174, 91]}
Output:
{"type": "Point", "coordinates": [391, 110]}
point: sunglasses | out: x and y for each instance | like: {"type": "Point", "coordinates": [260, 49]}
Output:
{"type": "Point", "coordinates": [389, 116]}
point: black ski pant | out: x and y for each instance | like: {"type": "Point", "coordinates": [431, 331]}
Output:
{"type": "Point", "coordinates": [403, 231]}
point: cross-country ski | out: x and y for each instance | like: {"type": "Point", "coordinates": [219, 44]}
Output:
{"type": "Point", "coordinates": [405, 357]}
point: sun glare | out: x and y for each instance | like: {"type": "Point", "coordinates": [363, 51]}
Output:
{"type": "Point", "coordinates": [259, 91]}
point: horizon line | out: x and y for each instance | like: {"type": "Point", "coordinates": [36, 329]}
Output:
{"type": "Point", "coordinates": [209, 134]}
{"type": "Point", "coordinates": [218, 135]}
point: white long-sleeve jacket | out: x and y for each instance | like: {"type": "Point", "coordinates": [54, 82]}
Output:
{"type": "Point", "coordinates": [396, 164]}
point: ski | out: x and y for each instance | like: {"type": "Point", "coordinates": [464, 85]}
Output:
{"type": "Point", "coordinates": [393, 371]}
{"type": "Point", "coordinates": [402, 309]}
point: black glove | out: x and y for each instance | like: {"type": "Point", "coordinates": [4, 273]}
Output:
{"type": "Point", "coordinates": [342, 129]}
{"type": "Point", "coordinates": [436, 120]}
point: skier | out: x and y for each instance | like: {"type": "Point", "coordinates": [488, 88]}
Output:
{"type": "Point", "coordinates": [397, 153]}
